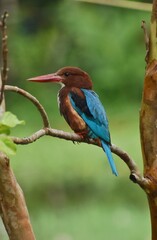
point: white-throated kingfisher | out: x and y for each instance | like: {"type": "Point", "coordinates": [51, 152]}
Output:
{"type": "Point", "coordinates": [81, 106]}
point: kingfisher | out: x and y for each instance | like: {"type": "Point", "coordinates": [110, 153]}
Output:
{"type": "Point", "coordinates": [81, 107]}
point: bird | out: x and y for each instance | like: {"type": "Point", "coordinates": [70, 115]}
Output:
{"type": "Point", "coordinates": [81, 107]}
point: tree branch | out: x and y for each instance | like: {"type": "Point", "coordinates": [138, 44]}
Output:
{"type": "Point", "coordinates": [135, 175]}
{"type": "Point", "coordinates": [122, 3]}
{"type": "Point", "coordinates": [4, 71]}
{"type": "Point", "coordinates": [146, 39]}
{"type": "Point", "coordinates": [33, 100]}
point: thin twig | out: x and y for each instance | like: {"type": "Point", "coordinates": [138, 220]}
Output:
{"type": "Point", "coordinates": [122, 3]}
{"type": "Point", "coordinates": [135, 174]}
{"type": "Point", "coordinates": [33, 100]}
{"type": "Point", "coordinates": [26, 140]}
{"type": "Point", "coordinates": [146, 38]}
{"type": "Point", "coordinates": [4, 71]}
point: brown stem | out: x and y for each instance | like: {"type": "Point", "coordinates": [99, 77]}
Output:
{"type": "Point", "coordinates": [146, 39]}
{"type": "Point", "coordinates": [122, 3]}
{"type": "Point", "coordinates": [33, 100]}
{"type": "Point", "coordinates": [153, 34]}
{"type": "Point", "coordinates": [4, 72]}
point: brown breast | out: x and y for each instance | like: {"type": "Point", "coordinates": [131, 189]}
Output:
{"type": "Point", "coordinates": [76, 123]}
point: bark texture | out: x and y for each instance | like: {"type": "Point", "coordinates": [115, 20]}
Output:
{"type": "Point", "coordinates": [148, 129]}
{"type": "Point", "coordinates": [13, 207]}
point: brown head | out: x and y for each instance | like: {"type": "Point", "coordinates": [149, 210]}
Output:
{"type": "Point", "coordinates": [68, 76]}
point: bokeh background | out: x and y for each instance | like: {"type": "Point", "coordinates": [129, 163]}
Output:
{"type": "Point", "coordinates": [70, 191]}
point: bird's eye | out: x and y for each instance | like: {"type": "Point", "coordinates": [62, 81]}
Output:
{"type": "Point", "coordinates": [66, 74]}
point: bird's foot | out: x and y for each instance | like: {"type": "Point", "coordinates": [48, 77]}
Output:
{"type": "Point", "coordinates": [75, 142]}
{"type": "Point", "coordinates": [82, 134]}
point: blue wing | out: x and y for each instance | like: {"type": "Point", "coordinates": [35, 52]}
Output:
{"type": "Point", "coordinates": [92, 112]}
{"type": "Point", "coordinates": [99, 122]}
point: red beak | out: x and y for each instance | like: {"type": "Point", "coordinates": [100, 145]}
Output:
{"type": "Point", "coordinates": [53, 77]}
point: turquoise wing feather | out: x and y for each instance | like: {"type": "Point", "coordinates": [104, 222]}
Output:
{"type": "Point", "coordinates": [93, 113]}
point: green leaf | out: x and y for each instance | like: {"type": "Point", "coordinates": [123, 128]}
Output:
{"type": "Point", "coordinates": [7, 145]}
{"type": "Point", "coordinates": [10, 120]}
{"type": "Point", "coordinates": [4, 129]}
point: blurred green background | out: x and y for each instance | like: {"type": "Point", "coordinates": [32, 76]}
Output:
{"type": "Point", "coordinates": [70, 191]}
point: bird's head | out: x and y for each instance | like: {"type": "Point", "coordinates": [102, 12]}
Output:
{"type": "Point", "coordinates": [67, 76]}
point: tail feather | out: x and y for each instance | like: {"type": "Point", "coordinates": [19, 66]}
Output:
{"type": "Point", "coordinates": [107, 150]}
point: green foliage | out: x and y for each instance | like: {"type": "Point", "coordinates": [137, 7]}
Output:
{"type": "Point", "coordinates": [7, 145]}
{"type": "Point", "coordinates": [91, 220]}
{"type": "Point", "coordinates": [8, 121]}
{"type": "Point", "coordinates": [106, 42]}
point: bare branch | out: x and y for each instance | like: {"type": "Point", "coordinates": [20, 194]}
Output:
{"type": "Point", "coordinates": [146, 38]}
{"type": "Point", "coordinates": [4, 72]}
{"type": "Point", "coordinates": [122, 3]}
{"type": "Point", "coordinates": [134, 171]}
{"type": "Point", "coordinates": [26, 140]}
{"type": "Point", "coordinates": [33, 100]}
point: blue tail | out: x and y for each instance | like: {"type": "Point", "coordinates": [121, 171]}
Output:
{"type": "Point", "coordinates": [107, 150]}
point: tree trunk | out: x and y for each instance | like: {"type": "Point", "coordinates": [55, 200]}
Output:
{"type": "Point", "coordinates": [148, 127]}
{"type": "Point", "coordinates": [148, 122]}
